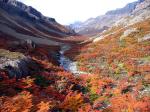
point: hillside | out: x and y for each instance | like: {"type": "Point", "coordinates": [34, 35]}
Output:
{"type": "Point", "coordinates": [24, 22]}
{"type": "Point", "coordinates": [45, 67]}
{"type": "Point", "coordinates": [116, 68]}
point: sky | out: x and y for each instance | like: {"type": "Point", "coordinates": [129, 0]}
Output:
{"type": "Point", "coordinates": [70, 11]}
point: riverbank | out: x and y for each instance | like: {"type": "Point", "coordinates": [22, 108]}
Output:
{"type": "Point", "coordinates": [67, 63]}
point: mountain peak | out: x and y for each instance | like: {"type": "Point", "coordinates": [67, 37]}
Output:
{"type": "Point", "coordinates": [125, 10]}
{"type": "Point", "coordinates": [28, 9]}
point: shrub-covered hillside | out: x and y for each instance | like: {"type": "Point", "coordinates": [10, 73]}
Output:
{"type": "Point", "coordinates": [118, 68]}
{"type": "Point", "coordinates": [116, 75]}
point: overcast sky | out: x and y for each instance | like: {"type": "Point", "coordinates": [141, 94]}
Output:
{"type": "Point", "coordinates": [69, 11]}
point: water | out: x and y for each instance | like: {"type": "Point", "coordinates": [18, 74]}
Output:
{"type": "Point", "coordinates": [68, 64]}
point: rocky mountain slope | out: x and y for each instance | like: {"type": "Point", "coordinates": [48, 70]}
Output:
{"type": "Point", "coordinates": [24, 22]}
{"type": "Point", "coordinates": [95, 25]}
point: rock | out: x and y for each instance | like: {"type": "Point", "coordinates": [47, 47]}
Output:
{"type": "Point", "coordinates": [25, 44]}
{"type": "Point", "coordinates": [30, 44]}
{"type": "Point", "coordinates": [146, 37]}
{"type": "Point", "coordinates": [128, 32]}
{"type": "Point", "coordinates": [140, 13]}
{"type": "Point", "coordinates": [16, 66]}
{"type": "Point", "coordinates": [143, 4]}
{"type": "Point", "coordinates": [125, 10]}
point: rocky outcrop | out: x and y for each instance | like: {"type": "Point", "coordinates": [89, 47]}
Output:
{"type": "Point", "coordinates": [16, 64]}
{"type": "Point", "coordinates": [128, 32]}
{"type": "Point", "coordinates": [142, 5]}
{"type": "Point", "coordinates": [16, 68]}
{"type": "Point", "coordinates": [135, 18]}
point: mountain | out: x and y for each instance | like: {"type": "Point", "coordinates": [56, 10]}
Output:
{"type": "Point", "coordinates": [24, 22]}
{"type": "Point", "coordinates": [26, 33]}
{"type": "Point", "coordinates": [117, 61]}
{"type": "Point", "coordinates": [125, 10]}
{"type": "Point", "coordinates": [96, 25]}
{"type": "Point", "coordinates": [43, 68]}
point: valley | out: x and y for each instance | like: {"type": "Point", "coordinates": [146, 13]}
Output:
{"type": "Point", "coordinates": [47, 67]}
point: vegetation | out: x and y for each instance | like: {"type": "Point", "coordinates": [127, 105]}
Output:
{"type": "Point", "coordinates": [117, 79]}
{"type": "Point", "coordinates": [10, 55]}
{"type": "Point", "coordinates": [120, 69]}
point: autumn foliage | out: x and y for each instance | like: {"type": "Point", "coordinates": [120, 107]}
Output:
{"type": "Point", "coordinates": [117, 79]}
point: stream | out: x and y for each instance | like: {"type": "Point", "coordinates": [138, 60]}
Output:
{"type": "Point", "coordinates": [66, 63]}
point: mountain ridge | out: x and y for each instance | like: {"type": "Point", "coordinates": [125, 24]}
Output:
{"type": "Point", "coordinates": [24, 22]}
{"type": "Point", "coordinates": [103, 22]}
{"type": "Point", "coordinates": [29, 9]}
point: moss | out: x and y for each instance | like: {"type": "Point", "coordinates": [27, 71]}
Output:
{"type": "Point", "coordinates": [147, 58]}
{"type": "Point", "coordinates": [10, 55]}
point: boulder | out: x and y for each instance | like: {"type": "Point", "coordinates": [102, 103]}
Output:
{"type": "Point", "coordinates": [15, 68]}
{"type": "Point", "coordinates": [16, 64]}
